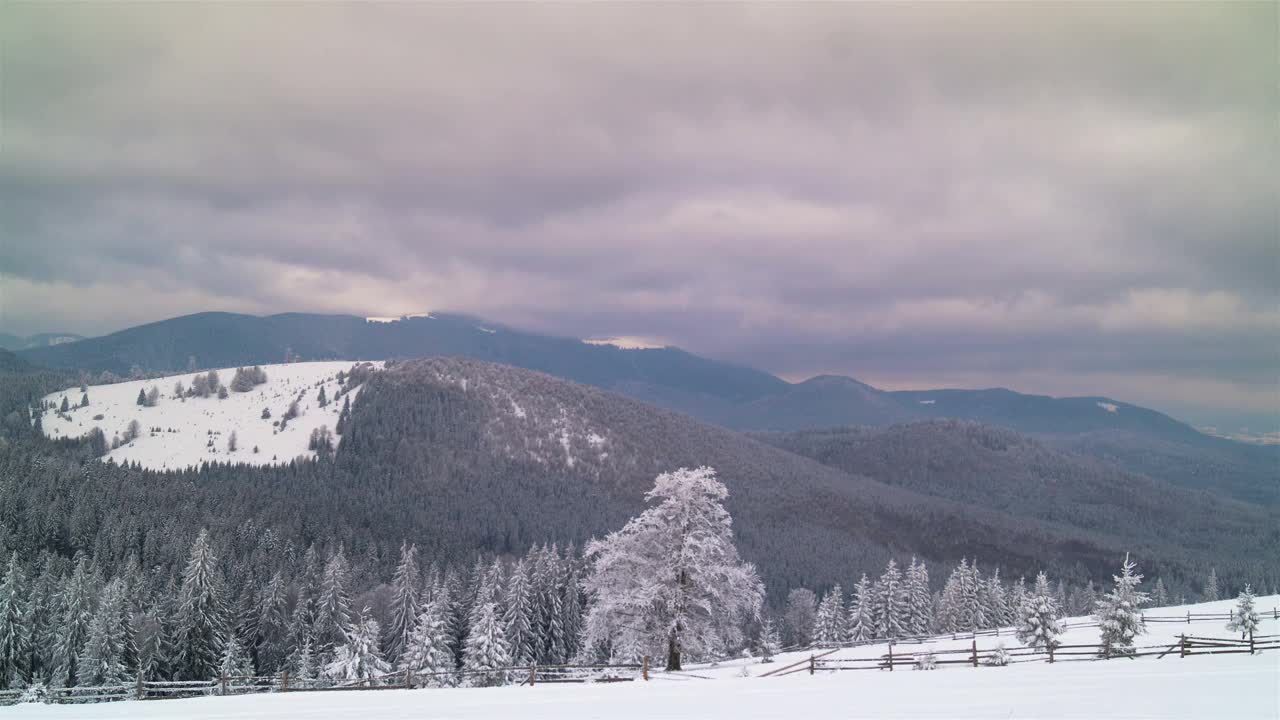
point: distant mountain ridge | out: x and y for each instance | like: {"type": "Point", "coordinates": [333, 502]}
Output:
{"type": "Point", "coordinates": [736, 397]}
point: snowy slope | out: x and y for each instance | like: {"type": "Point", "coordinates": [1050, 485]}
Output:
{"type": "Point", "coordinates": [186, 425]}
{"type": "Point", "coordinates": [1207, 686]}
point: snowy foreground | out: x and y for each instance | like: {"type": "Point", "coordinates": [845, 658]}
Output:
{"type": "Point", "coordinates": [186, 425]}
{"type": "Point", "coordinates": [1207, 686]}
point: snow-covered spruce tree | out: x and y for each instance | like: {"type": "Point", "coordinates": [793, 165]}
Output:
{"type": "Point", "coordinates": [273, 625]}
{"type": "Point", "coordinates": [303, 664]}
{"type": "Point", "coordinates": [769, 644]}
{"type": "Point", "coordinates": [800, 616]}
{"type": "Point", "coordinates": [428, 649]}
{"type": "Point", "coordinates": [1211, 590]}
{"type": "Point", "coordinates": [486, 654]}
{"type": "Point", "coordinates": [671, 580]}
{"type": "Point", "coordinates": [1245, 618]}
{"type": "Point", "coordinates": [888, 611]}
{"type": "Point", "coordinates": [76, 600]}
{"type": "Point", "coordinates": [235, 661]}
{"type": "Point", "coordinates": [830, 622]}
{"type": "Point", "coordinates": [201, 624]}
{"type": "Point", "coordinates": [15, 630]}
{"type": "Point", "coordinates": [1038, 618]}
{"type": "Point", "coordinates": [572, 606]}
{"type": "Point", "coordinates": [1117, 612]}
{"type": "Point", "coordinates": [918, 600]}
{"type": "Point", "coordinates": [404, 601]}
{"type": "Point", "coordinates": [102, 660]}
{"type": "Point", "coordinates": [1159, 595]}
{"type": "Point", "coordinates": [333, 606]}
{"type": "Point", "coordinates": [516, 619]}
{"type": "Point", "coordinates": [998, 601]}
{"type": "Point", "coordinates": [860, 627]}
{"type": "Point", "coordinates": [359, 658]}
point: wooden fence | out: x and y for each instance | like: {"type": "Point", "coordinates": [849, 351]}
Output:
{"type": "Point", "coordinates": [143, 689]}
{"type": "Point", "coordinates": [974, 656]}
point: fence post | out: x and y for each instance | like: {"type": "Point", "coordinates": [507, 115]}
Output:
{"type": "Point", "coordinates": [891, 656]}
{"type": "Point", "coordinates": [1182, 645]}
{"type": "Point", "coordinates": [644, 668]}
{"type": "Point", "coordinates": [533, 674]}
{"type": "Point", "coordinates": [1188, 617]}
{"type": "Point", "coordinates": [812, 663]}
{"type": "Point", "coordinates": [284, 681]}
{"type": "Point", "coordinates": [1250, 642]}
{"type": "Point", "coordinates": [141, 689]}
{"type": "Point", "coordinates": [975, 652]}
{"type": "Point", "coordinates": [408, 678]}
{"type": "Point", "coordinates": [223, 678]}
{"type": "Point", "coordinates": [1050, 647]}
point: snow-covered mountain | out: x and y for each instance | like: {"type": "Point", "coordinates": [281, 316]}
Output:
{"type": "Point", "coordinates": [185, 431]}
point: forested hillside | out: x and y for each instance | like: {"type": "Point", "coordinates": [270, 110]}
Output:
{"type": "Point", "coordinates": [1133, 438]}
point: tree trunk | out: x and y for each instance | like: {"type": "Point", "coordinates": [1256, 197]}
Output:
{"type": "Point", "coordinates": [673, 653]}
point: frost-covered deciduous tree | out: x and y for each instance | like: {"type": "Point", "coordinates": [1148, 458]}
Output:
{"type": "Point", "coordinates": [671, 579]}
{"type": "Point", "coordinates": [1245, 618]}
{"type": "Point", "coordinates": [800, 616]}
{"type": "Point", "coordinates": [486, 654]}
{"type": "Point", "coordinates": [1117, 612]}
{"type": "Point", "coordinates": [1038, 618]}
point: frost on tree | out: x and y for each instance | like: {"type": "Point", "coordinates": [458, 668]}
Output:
{"type": "Point", "coordinates": [102, 660]}
{"type": "Point", "coordinates": [1038, 618]}
{"type": "Point", "coordinates": [14, 627]}
{"type": "Point", "coordinates": [201, 623]}
{"type": "Point", "coordinates": [486, 654]}
{"type": "Point", "coordinates": [769, 641]}
{"type": "Point", "coordinates": [404, 601]}
{"type": "Point", "coordinates": [860, 626]}
{"type": "Point", "coordinates": [1245, 618]}
{"type": "Point", "coordinates": [887, 610]}
{"type": "Point", "coordinates": [428, 649]}
{"type": "Point", "coordinates": [1117, 612]}
{"type": "Point", "coordinates": [671, 581]}
{"type": "Point", "coordinates": [830, 622]}
{"type": "Point", "coordinates": [359, 658]}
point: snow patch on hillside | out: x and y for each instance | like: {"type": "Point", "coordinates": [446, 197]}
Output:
{"type": "Point", "coordinates": [392, 319]}
{"type": "Point", "coordinates": [627, 343]}
{"type": "Point", "coordinates": [182, 432]}
{"type": "Point", "coordinates": [1109, 407]}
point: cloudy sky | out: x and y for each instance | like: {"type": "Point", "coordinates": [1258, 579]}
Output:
{"type": "Point", "coordinates": [1057, 199]}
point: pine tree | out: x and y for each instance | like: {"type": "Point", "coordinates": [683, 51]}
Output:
{"type": "Point", "coordinates": [15, 637]}
{"type": "Point", "coordinates": [887, 612]}
{"type": "Point", "coordinates": [404, 600]}
{"type": "Point", "coordinates": [517, 617]}
{"type": "Point", "coordinates": [142, 397]}
{"type": "Point", "coordinates": [303, 664]}
{"type": "Point", "coordinates": [333, 609]}
{"type": "Point", "coordinates": [572, 607]}
{"type": "Point", "coordinates": [919, 601]}
{"type": "Point", "coordinates": [1038, 618]}
{"type": "Point", "coordinates": [65, 406]}
{"type": "Point", "coordinates": [860, 626]}
{"type": "Point", "coordinates": [1245, 618]}
{"type": "Point", "coordinates": [997, 601]}
{"type": "Point", "coordinates": [77, 612]}
{"type": "Point", "coordinates": [1211, 591]}
{"type": "Point", "coordinates": [102, 660]}
{"type": "Point", "coordinates": [428, 649]}
{"type": "Point", "coordinates": [1117, 612]}
{"type": "Point", "coordinates": [672, 576]}
{"type": "Point", "coordinates": [1159, 595]}
{"type": "Point", "coordinates": [829, 627]}
{"type": "Point", "coordinates": [486, 653]}
{"type": "Point", "coordinates": [359, 658]}
{"type": "Point", "coordinates": [202, 618]}
{"type": "Point", "coordinates": [235, 660]}
{"type": "Point", "coordinates": [273, 625]}
{"type": "Point", "coordinates": [768, 643]}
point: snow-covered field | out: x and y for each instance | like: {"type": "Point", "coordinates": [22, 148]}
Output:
{"type": "Point", "coordinates": [186, 425]}
{"type": "Point", "coordinates": [1207, 686]}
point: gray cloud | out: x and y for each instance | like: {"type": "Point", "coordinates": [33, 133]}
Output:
{"type": "Point", "coordinates": [1060, 198]}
